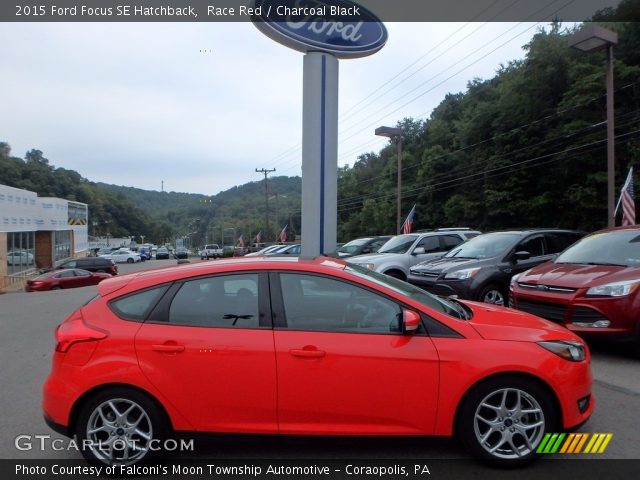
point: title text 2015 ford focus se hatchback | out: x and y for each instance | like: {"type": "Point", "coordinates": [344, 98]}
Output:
{"type": "Point", "coordinates": [307, 347]}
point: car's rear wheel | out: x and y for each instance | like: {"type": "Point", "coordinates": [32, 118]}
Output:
{"type": "Point", "coordinates": [120, 426]}
{"type": "Point", "coordinates": [503, 420]}
{"type": "Point", "coordinates": [493, 294]}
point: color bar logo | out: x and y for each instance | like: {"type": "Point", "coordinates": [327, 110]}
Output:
{"type": "Point", "coordinates": [574, 443]}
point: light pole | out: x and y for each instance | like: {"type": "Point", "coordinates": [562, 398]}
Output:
{"type": "Point", "coordinates": [589, 39]}
{"type": "Point", "coordinates": [395, 134]}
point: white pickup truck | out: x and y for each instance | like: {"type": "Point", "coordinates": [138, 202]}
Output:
{"type": "Point", "coordinates": [211, 250]}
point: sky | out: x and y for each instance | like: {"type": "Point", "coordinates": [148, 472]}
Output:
{"type": "Point", "coordinates": [200, 106]}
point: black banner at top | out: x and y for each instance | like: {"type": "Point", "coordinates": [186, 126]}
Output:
{"type": "Point", "coordinates": [240, 10]}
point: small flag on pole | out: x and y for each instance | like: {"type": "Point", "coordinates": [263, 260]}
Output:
{"type": "Point", "coordinates": [241, 241]}
{"type": "Point", "coordinates": [627, 198]}
{"type": "Point", "coordinates": [259, 237]}
{"type": "Point", "coordinates": [283, 234]}
{"type": "Point", "coordinates": [408, 223]}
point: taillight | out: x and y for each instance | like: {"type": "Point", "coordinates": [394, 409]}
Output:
{"type": "Point", "coordinates": [74, 330]}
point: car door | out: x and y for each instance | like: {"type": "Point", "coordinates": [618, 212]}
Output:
{"type": "Point", "coordinates": [535, 245]}
{"type": "Point", "coordinates": [343, 365]}
{"type": "Point", "coordinates": [432, 250]}
{"type": "Point", "coordinates": [208, 348]}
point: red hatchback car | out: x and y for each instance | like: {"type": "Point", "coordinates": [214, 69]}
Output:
{"type": "Point", "coordinates": [308, 347]}
{"type": "Point", "coordinates": [592, 288]}
{"type": "Point", "coordinates": [67, 278]}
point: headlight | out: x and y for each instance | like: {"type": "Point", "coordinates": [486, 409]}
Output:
{"type": "Point", "coordinates": [370, 266]}
{"type": "Point", "coordinates": [463, 274]}
{"type": "Point", "coordinates": [615, 289]}
{"type": "Point", "coordinates": [569, 350]}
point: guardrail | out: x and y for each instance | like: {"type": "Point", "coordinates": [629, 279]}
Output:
{"type": "Point", "coordinates": [16, 281]}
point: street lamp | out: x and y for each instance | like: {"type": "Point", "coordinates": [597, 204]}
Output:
{"type": "Point", "coordinates": [590, 39]}
{"type": "Point", "coordinates": [395, 134]}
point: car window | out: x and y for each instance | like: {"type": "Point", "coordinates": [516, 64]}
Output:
{"type": "Point", "coordinates": [65, 274]}
{"type": "Point", "coordinates": [450, 241]}
{"type": "Point", "coordinates": [81, 273]}
{"type": "Point", "coordinates": [138, 305]}
{"type": "Point", "coordinates": [71, 264]}
{"type": "Point", "coordinates": [620, 247]}
{"type": "Point", "coordinates": [430, 244]}
{"type": "Point", "coordinates": [324, 304]}
{"type": "Point", "coordinates": [220, 301]}
{"type": "Point", "coordinates": [533, 245]}
{"type": "Point", "coordinates": [557, 242]}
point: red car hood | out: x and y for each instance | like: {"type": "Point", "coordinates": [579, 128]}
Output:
{"type": "Point", "coordinates": [572, 275]}
{"type": "Point", "coordinates": [499, 323]}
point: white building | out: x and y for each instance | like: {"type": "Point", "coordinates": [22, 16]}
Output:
{"type": "Point", "coordinates": [37, 232]}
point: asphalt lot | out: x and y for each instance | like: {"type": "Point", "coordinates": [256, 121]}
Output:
{"type": "Point", "coordinates": [27, 322]}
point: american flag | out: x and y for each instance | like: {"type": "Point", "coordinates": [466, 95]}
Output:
{"type": "Point", "coordinates": [259, 237]}
{"type": "Point", "coordinates": [408, 223]}
{"type": "Point", "coordinates": [628, 201]}
{"type": "Point", "coordinates": [283, 233]}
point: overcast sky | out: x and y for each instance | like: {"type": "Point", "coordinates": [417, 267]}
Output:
{"type": "Point", "coordinates": [200, 106]}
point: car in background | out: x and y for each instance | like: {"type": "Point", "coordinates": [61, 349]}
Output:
{"type": "Point", "coordinates": [401, 252]}
{"type": "Point", "coordinates": [592, 288]}
{"type": "Point", "coordinates": [361, 246]}
{"type": "Point", "coordinates": [20, 257]}
{"type": "Point", "coordinates": [68, 278]}
{"type": "Point", "coordinates": [265, 250]}
{"type": "Point", "coordinates": [180, 253]}
{"type": "Point", "coordinates": [211, 250]}
{"type": "Point", "coordinates": [481, 268]}
{"type": "Point", "coordinates": [377, 357]}
{"type": "Point", "coordinates": [287, 250]}
{"type": "Point", "coordinates": [91, 264]}
{"type": "Point", "coordinates": [162, 253]}
{"type": "Point", "coordinates": [145, 253]}
{"type": "Point", "coordinates": [123, 255]}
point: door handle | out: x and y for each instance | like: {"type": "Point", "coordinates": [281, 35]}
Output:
{"type": "Point", "coordinates": [168, 348]}
{"type": "Point", "coordinates": [299, 352]}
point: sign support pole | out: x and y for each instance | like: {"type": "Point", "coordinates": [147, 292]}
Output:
{"type": "Point", "coordinates": [319, 154]}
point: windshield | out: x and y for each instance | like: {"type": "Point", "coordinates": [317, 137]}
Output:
{"type": "Point", "coordinates": [353, 245]}
{"type": "Point", "coordinates": [620, 247]}
{"type": "Point", "coordinates": [484, 246]}
{"type": "Point", "coordinates": [399, 244]}
{"type": "Point", "coordinates": [446, 306]}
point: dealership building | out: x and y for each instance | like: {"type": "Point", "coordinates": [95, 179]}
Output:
{"type": "Point", "coordinates": [37, 232]}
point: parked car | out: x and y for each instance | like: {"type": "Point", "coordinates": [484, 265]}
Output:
{"type": "Point", "coordinates": [400, 253]}
{"type": "Point", "coordinates": [20, 257]}
{"type": "Point", "coordinates": [180, 253]}
{"type": "Point", "coordinates": [481, 268]}
{"type": "Point", "coordinates": [123, 255]}
{"type": "Point", "coordinates": [265, 250]}
{"type": "Point", "coordinates": [91, 264]}
{"type": "Point", "coordinates": [162, 253]}
{"type": "Point", "coordinates": [145, 253]}
{"type": "Point", "coordinates": [592, 288]}
{"type": "Point", "coordinates": [287, 250]}
{"type": "Point", "coordinates": [307, 347]}
{"type": "Point", "coordinates": [361, 246]}
{"type": "Point", "coordinates": [211, 250]}
{"type": "Point", "coordinates": [68, 278]}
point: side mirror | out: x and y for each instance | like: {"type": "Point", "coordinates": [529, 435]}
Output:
{"type": "Point", "coordinates": [522, 255]}
{"type": "Point", "coordinates": [410, 321]}
{"type": "Point", "coordinates": [366, 250]}
{"type": "Point", "coordinates": [418, 251]}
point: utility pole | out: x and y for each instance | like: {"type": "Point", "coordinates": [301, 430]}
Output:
{"type": "Point", "coordinates": [266, 199]}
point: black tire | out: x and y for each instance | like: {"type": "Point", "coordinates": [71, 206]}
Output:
{"type": "Point", "coordinates": [57, 287]}
{"type": "Point", "coordinates": [494, 294]}
{"type": "Point", "coordinates": [482, 425]}
{"type": "Point", "coordinates": [396, 274]}
{"type": "Point", "coordinates": [144, 415]}
{"type": "Point", "coordinates": [130, 260]}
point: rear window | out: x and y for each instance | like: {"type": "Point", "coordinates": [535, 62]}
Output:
{"type": "Point", "coordinates": [212, 247]}
{"type": "Point", "coordinates": [137, 306]}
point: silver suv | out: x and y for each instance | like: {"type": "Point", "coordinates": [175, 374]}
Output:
{"type": "Point", "coordinates": [400, 253]}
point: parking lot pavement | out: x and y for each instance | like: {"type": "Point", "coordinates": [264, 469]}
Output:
{"type": "Point", "coordinates": [28, 320]}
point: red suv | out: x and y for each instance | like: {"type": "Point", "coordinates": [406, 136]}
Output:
{"type": "Point", "coordinates": [308, 347]}
{"type": "Point", "coordinates": [592, 288]}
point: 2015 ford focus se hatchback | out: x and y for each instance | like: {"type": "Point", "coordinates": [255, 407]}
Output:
{"type": "Point", "coordinates": [308, 347]}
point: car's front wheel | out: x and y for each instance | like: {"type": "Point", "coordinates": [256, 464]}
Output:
{"type": "Point", "coordinates": [130, 260]}
{"type": "Point", "coordinates": [120, 426]}
{"type": "Point", "coordinates": [493, 294]}
{"type": "Point", "coordinates": [503, 420]}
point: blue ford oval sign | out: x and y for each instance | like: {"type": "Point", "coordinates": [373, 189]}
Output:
{"type": "Point", "coordinates": [339, 27]}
